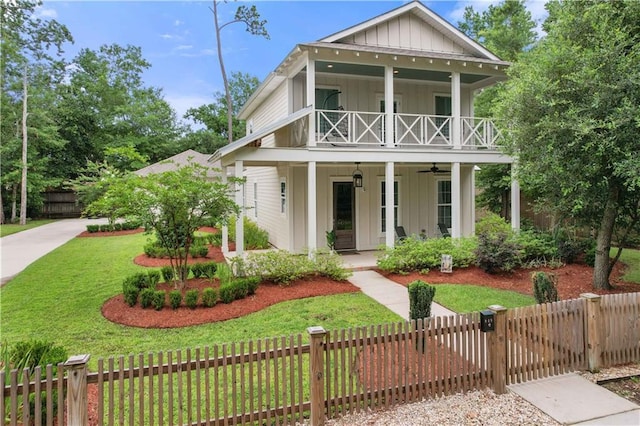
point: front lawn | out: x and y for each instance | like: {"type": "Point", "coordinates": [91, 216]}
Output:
{"type": "Point", "coordinates": [12, 228]}
{"type": "Point", "coordinates": [59, 297]}
{"type": "Point", "coordinates": [464, 298]}
{"type": "Point", "coordinates": [631, 258]}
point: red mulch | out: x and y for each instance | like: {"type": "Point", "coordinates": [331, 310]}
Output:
{"type": "Point", "coordinates": [573, 279]}
{"type": "Point", "coordinates": [214, 254]}
{"type": "Point", "coordinates": [267, 294]}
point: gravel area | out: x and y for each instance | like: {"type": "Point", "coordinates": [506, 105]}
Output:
{"type": "Point", "coordinates": [471, 408]}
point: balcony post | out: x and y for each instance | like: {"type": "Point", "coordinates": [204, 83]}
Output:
{"type": "Point", "coordinates": [388, 106]}
{"type": "Point", "coordinates": [311, 100]}
{"type": "Point", "coordinates": [456, 138]}
{"type": "Point", "coordinates": [389, 211]}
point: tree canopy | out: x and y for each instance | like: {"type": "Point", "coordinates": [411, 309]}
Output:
{"type": "Point", "coordinates": [573, 109]}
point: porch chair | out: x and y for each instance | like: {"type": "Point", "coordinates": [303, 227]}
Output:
{"type": "Point", "coordinates": [400, 232]}
{"type": "Point", "coordinates": [444, 231]}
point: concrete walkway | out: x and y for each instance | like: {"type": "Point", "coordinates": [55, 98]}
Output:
{"type": "Point", "coordinates": [390, 294]}
{"type": "Point", "coordinates": [21, 249]}
{"type": "Point", "coordinates": [568, 399]}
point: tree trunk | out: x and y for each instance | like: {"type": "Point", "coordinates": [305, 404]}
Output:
{"type": "Point", "coordinates": [601, 269]}
{"type": "Point", "coordinates": [23, 183]}
{"type": "Point", "coordinates": [14, 194]}
{"type": "Point", "coordinates": [224, 75]}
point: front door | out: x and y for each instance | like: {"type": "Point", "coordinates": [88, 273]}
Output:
{"type": "Point", "coordinates": [344, 215]}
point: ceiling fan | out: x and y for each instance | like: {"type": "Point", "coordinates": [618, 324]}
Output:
{"type": "Point", "coordinates": [435, 169]}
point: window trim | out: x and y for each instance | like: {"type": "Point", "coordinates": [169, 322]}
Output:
{"type": "Point", "coordinates": [438, 204]}
{"type": "Point", "coordinates": [283, 196]}
{"type": "Point", "coordinates": [397, 180]}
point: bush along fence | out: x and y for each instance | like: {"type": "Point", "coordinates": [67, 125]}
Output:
{"type": "Point", "coordinates": [285, 380]}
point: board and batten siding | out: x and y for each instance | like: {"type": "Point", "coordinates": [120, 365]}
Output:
{"type": "Point", "coordinates": [268, 215]}
{"type": "Point", "coordinates": [418, 202]}
{"type": "Point", "coordinates": [406, 32]}
{"type": "Point", "coordinates": [364, 94]}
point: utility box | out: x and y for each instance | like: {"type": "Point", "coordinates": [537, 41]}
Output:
{"type": "Point", "coordinates": [487, 321]}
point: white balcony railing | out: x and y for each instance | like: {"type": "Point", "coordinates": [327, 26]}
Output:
{"type": "Point", "coordinates": [356, 128]}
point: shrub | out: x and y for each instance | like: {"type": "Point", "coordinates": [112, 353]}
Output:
{"type": "Point", "coordinates": [215, 239]}
{"type": "Point", "coordinates": [198, 251]}
{"type": "Point", "coordinates": [117, 226]}
{"type": "Point", "coordinates": [158, 299]}
{"type": "Point", "coordinates": [497, 252]}
{"type": "Point", "coordinates": [492, 223]}
{"type": "Point", "coordinates": [93, 228]}
{"type": "Point", "coordinates": [568, 250]}
{"type": "Point", "coordinates": [224, 274]}
{"type": "Point", "coordinates": [130, 293]}
{"type": "Point", "coordinates": [329, 264]}
{"type": "Point", "coordinates": [209, 269]}
{"type": "Point", "coordinates": [415, 254]}
{"type": "Point", "coordinates": [590, 252]}
{"type": "Point", "coordinates": [420, 297]}
{"type": "Point", "coordinates": [240, 289]}
{"type": "Point", "coordinates": [191, 298]}
{"type": "Point", "coordinates": [252, 284]}
{"type": "Point", "coordinates": [544, 287]}
{"type": "Point", "coordinates": [254, 237]}
{"type": "Point", "coordinates": [227, 293]}
{"type": "Point", "coordinates": [146, 297]}
{"type": "Point", "coordinates": [106, 228]}
{"type": "Point", "coordinates": [278, 266]}
{"type": "Point", "coordinates": [196, 270]}
{"type": "Point", "coordinates": [535, 245]}
{"type": "Point", "coordinates": [153, 278]}
{"type": "Point", "coordinates": [209, 297]}
{"type": "Point", "coordinates": [175, 298]}
{"type": "Point", "coordinates": [167, 273]}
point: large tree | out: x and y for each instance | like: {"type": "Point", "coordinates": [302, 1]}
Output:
{"type": "Point", "coordinates": [573, 109]}
{"type": "Point", "coordinates": [250, 17]}
{"type": "Point", "coordinates": [105, 105]}
{"type": "Point", "coordinates": [213, 116]}
{"type": "Point", "coordinates": [507, 30]}
{"type": "Point", "coordinates": [30, 65]}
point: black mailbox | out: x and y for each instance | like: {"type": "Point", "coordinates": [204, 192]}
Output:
{"type": "Point", "coordinates": [487, 321]}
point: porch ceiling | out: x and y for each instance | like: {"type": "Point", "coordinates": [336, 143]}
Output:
{"type": "Point", "coordinates": [404, 73]}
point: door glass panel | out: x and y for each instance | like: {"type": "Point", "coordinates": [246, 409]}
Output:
{"type": "Point", "coordinates": [344, 206]}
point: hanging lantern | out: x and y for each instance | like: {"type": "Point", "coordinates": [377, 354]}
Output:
{"type": "Point", "coordinates": [357, 177]}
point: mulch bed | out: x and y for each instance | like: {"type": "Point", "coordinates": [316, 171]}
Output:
{"type": "Point", "coordinates": [87, 234]}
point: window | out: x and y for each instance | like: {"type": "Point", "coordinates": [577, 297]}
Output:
{"type": "Point", "coordinates": [444, 202]}
{"type": "Point", "coordinates": [255, 199]}
{"type": "Point", "coordinates": [443, 110]}
{"type": "Point", "coordinates": [383, 200]}
{"type": "Point", "coordinates": [283, 196]}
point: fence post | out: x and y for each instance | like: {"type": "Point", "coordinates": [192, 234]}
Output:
{"type": "Point", "coordinates": [77, 414]}
{"type": "Point", "coordinates": [498, 350]}
{"type": "Point", "coordinates": [316, 377]}
{"type": "Point", "coordinates": [593, 326]}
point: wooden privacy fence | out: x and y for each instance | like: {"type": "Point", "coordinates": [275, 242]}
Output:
{"type": "Point", "coordinates": [285, 380]}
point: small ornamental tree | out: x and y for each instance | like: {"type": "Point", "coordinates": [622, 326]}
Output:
{"type": "Point", "coordinates": [173, 205]}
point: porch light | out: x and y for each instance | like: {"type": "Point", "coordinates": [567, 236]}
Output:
{"type": "Point", "coordinates": [357, 177]}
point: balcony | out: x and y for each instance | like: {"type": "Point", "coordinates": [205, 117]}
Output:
{"type": "Point", "coordinates": [353, 129]}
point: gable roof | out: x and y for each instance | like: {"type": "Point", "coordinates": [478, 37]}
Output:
{"type": "Point", "coordinates": [172, 163]}
{"type": "Point", "coordinates": [427, 16]}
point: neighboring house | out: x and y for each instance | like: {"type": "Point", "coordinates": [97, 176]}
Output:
{"type": "Point", "coordinates": [181, 159]}
{"type": "Point", "coordinates": [323, 152]}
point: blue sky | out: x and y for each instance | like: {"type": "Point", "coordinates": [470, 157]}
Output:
{"type": "Point", "coordinates": [178, 37]}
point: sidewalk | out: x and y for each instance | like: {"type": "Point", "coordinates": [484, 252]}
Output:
{"type": "Point", "coordinates": [21, 249]}
{"type": "Point", "coordinates": [568, 398]}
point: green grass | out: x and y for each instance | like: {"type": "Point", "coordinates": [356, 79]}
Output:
{"type": "Point", "coordinates": [631, 258]}
{"type": "Point", "coordinates": [8, 229]}
{"type": "Point", "coordinates": [464, 298]}
{"type": "Point", "coordinates": [58, 298]}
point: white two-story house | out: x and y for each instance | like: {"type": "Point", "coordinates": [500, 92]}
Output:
{"type": "Point", "coordinates": [326, 151]}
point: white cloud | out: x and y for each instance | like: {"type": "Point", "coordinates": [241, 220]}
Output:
{"type": "Point", "coordinates": [44, 12]}
{"type": "Point", "coordinates": [167, 36]}
{"type": "Point", "coordinates": [184, 47]}
{"type": "Point", "coordinates": [178, 22]}
{"type": "Point", "coordinates": [203, 52]}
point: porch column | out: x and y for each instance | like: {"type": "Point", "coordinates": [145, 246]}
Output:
{"type": "Point", "coordinates": [312, 237]}
{"type": "Point", "coordinates": [388, 106]}
{"type": "Point", "coordinates": [456, 218]}
{"type": "Point", "coordinates": [225, 228]}
{"type": "Point", "coordinates": [390, 236]}
{"type": "Point", "coordinates": [473, 199]}
{"type": "Point", "coordinates": [311, 99]}
{"type": "Point", "coordinates": [240, 202]}
{"type": "Point", "coordinates": [515, 199]}
{"type": "Point", "coordinates": [456, 136]}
